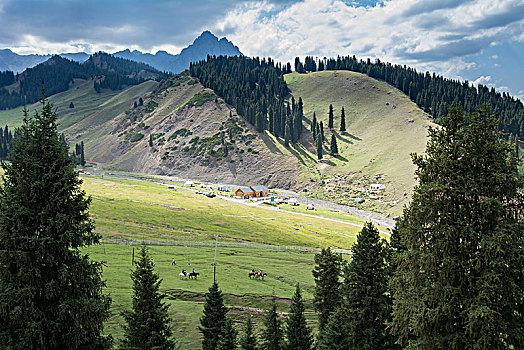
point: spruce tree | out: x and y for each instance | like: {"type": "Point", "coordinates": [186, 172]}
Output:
{"type": "Point", "coordinates": [147, 325]}
{"type": "Point", "coordinates": [342, 120]}
{"type": "Point", "coordinates": [334, 147]}
{"type": "Point", "coordinates": [321, 128]}
{"type": "Point", "coordinates": [298, 334]}
{"type": "Point", "coordinates": [71, 105]}
{"type": "Point", "coordinates": [82, 155]}
{"type": "Point", "coordinates": [319, 148]}
{"type": "Point", "coordinates": [51, 292]}
{"type": "Point", "coordinates": [140, 101]}
{"type": "Point", "coordinates": [213, 319]}
{"type": "Point", "coordinates": [314, 126]}
{"type": "Point", "coordinates": [273, 337]}
{"type": "Point", "coordinates": [330, 117]}
{"type": "Point", "coordinates": [460, 280]}
{"type": "Point", "coordinates": [249, 339]}
{"type": "Point", "coordinates": [228, 336]}
{"type": "Point", "coordinates": [327, 285]}
{"type": "Point", "coordinates": [366, 303]}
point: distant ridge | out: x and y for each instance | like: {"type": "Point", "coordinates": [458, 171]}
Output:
{"type": "Point", "coordinates": [205, 44]}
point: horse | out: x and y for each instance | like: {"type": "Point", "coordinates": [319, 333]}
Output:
{"type": "Point", "coordinates": [194, 275]}
{"type": "Point", "coordinates": [182, 276]}
{"type": "Point", "coordinates": [260, 275]}
{"type": "Point", "coordinates": [252, 274]}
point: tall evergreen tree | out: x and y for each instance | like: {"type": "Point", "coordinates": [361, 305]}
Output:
{"type": "Point", "coordinates": [228, 336]}
{"type": "Point", "coordinates": [319, 148]}
{"type": "Point", "coordinates": [366, 302]}
{"type": "Point", "coordinates": [314, 126]}
{"type": "Point", "coordinates": [82, 154]}
{"type": "Point", "coordinates": [342, 120]}
{"type": "Point", "coordinates": [330, 117]}
{"type": "Point", "coordinates": [249, 339]}
{"type": "Point", "coordinates": [213, 319]}
{"type": "Point", "coordinates": [334, 147]}
{"type": "Point", "coordinates": [327, 285]}
{"type": "Point", "coordinates": [460, 280]}
{"type": "Point", "coordinates": [147, 325]}
{"type": "Point", "coordinates": [298, 334]}
{"type": "Point", "coordinates": [51, 292]}
{"type": "Point", "coordinates": [273, 337]}
{"type": "Point", "coordinates": [321, 127]}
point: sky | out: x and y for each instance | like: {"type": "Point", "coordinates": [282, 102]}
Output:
{"type": "Point", "coordinates": [481, 41]}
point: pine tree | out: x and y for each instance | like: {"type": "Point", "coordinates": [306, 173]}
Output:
{"type": "Point", "coordinates": [150, 140]}
{"type": "Point", "coordinates": [319, 148]}
{"type": "Point", "coordinates": [140, 101]}
{"type": "Point", "coordinates": [82, 155]}
{"type": "Point", "coordinates": [213, 319]}
{"type": "Point", "coordinates": [334, 147]}
{"type": "Point", "coordinates": [147, 325]}
{"type": "Point", "coordinates": [51, 292]}
{"type": "Point", "coordinates": [298, 333]}
{"type": "Point", "coordinates": [273, 337]}
{"type": "Point", "coordinates": [342, 120]}
{"type": "Point", "coordinates": [71, 105]}
{"type": "Point", "coordinates": [249, 339]}
{"type": "Point", "coordinates": [366, 302]}
{"type": "Point", "coordinates": [330, 117]}
{"type": "Point", "coordinates": [228, 336]}
{"type": "Point", "coordinates": [327, 285]}
{"type": "Point", "coordinates": [459, 281]}
{"type": "Point", "coordinates": [321, 128]}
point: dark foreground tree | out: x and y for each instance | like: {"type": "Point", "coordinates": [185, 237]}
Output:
{"type": "Point", "coordinates": [327, 285]}
{"type": "Point", "coordinates": [366, 303]}
{"type": "Point", "coordinates": [50, 293]}
{"type": "Point", "coordinates": [319, 148]}
{"type": "Point", "coordinates": [460, 275]}
{"type": "Point", "coordinates": [333, 335]}
{"type": "Point", "coordinates": [148, 323]}
{"type": "Point", "coordinates": [273, 337]}
{"type": "Point", "coordinates": [213, 319]}
{"type": "Point", "coordinates": [249, 339]}
{"type": "Point", "coordinates": [298, 333]}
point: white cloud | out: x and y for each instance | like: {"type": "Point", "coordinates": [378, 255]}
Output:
{"type": "Point", "coordinates": [420, 33]}
{"type": "Point", "coordinates": [484, 80]}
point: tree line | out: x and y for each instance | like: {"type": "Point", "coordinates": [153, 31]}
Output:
{"type": "Point", "coordinates": [256, 88]}
{"type": "Point", "coordinates": [433, 93]}
{"type": "Point", "coordinates": [59, 73]}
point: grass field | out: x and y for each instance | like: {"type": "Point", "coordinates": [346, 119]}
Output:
{"type": "Point", "coordinates": [244, 297]}
{"type": "Point", "coordinates": [136, 210]}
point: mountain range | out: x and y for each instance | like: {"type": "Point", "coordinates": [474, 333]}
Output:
{"type": "Point", "coordinates": [205, 44]}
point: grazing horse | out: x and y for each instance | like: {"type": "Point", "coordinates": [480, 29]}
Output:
{"type": "Point", "coordinates": [182, 275]}
{"type": "Point", "coordinates": [194, 275]}
{"type": "Point", "coordinates": [252, 274]}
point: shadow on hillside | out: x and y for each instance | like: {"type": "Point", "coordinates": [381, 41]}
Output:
{"type": "Point", "coordinates": [268, 141]}
{"type": "Point", "coordinates": [351, 136]}
{"type": "Point", "coordinates": [339, 157]}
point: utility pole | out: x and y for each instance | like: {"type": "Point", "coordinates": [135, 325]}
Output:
{"type": "Point", "coordinates": [215, 262]}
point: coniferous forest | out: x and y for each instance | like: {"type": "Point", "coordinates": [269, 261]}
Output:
{"type": "Point", "coordinates": [256, 88]}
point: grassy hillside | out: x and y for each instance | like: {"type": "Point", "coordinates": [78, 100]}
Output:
{"type": "Point", "coordinates": [87, 103]}
{"type": "Point", "coordinates": [383, 128]}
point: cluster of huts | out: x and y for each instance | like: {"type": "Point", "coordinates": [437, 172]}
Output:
{"type": "Point", "coordinates": [241, 192]}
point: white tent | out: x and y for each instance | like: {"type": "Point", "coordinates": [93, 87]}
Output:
{"type": "Point", "coordinates": [293, 202]}
{"type": "Point", "coordinates": [189, 183]}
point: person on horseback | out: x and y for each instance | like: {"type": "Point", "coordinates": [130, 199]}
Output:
{"type": "Point", "coordinates": [193, 270]}
{"type": "Point", "coordinates": [184, 272]}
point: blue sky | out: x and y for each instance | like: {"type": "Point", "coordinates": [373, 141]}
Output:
{"type": "Point", "coordinates": [478, 40]}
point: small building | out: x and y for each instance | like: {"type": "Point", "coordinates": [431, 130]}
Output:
{"type": "Point", "coordinates": [377, 187]}
{"type": "Point", "coordinates": [223, 188]}
{"type": "Point", "coordinates": [310, 207]}
{"type": "Point", "coordinates": [293, 202]}
{"type": "Point", "coordinates": [260, 191]}
{"type": "Point", "coordinates": [244, 192]}
{"type": "Point", "coordinates": [189, 183]}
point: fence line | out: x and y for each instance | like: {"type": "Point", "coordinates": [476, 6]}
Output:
{"type": "Point", "coordinates": [220, 244]}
